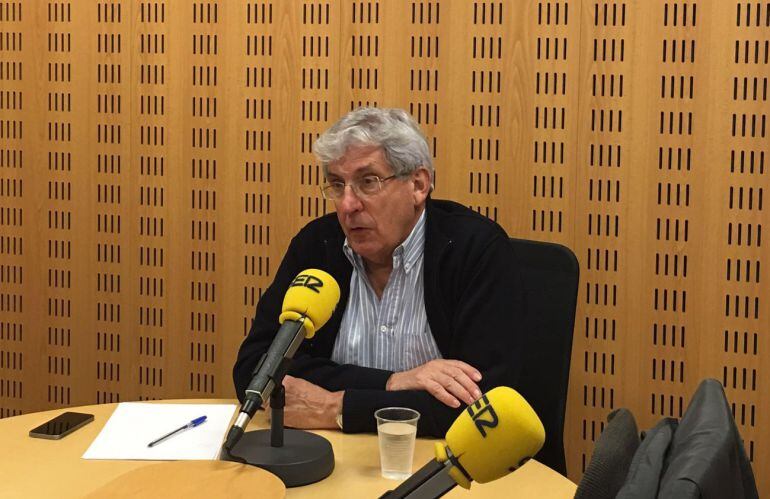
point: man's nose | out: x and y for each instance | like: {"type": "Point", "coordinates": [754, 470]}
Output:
{"type": "Point", "coordinates": [349, 202]}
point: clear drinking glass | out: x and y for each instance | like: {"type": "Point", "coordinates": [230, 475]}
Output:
{"type": "Point", "coordinates": [396, 431]}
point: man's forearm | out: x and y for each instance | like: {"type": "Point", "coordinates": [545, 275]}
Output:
{"type": "Point", "coordinates": [335, 377]}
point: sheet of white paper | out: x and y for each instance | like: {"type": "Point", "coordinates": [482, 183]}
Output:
{"type": "Point", "coordinates": [133, 425]}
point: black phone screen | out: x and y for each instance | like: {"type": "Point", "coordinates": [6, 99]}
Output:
{"type": "Point", "coordinates": [61, 425]}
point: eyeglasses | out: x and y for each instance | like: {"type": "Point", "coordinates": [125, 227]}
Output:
{"type": "Point", "coordinates": [366, 186]}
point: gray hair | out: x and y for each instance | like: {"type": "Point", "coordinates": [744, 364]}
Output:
{"type": "Point", "coordinates": [394, 130]}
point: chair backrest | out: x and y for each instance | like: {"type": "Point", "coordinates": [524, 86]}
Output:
{"type": "Point", "coordinates": [550, 276]}
{"type": "Point", "coordinates": [611, 459]}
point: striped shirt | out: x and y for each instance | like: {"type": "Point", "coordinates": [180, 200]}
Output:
{"type": "Point", "coordinates": [390, 333]}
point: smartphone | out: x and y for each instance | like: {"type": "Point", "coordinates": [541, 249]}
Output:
{"type": "Point", "coordinates": [62, 425]}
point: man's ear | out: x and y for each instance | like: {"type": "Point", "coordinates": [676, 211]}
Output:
{"type": "Point", "coordinates": [421, 180]}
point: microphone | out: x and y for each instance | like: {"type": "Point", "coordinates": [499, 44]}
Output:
{"type": "Point", "coordinates": [308, 304]}
{"type": "Point", "coordinates": [492, 437]}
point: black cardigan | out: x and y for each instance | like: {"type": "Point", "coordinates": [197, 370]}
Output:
{"type": "Point", "coordinates": [472, 301]}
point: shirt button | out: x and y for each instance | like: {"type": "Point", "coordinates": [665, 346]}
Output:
{"type": "Point", "coordinates": [384, 329]}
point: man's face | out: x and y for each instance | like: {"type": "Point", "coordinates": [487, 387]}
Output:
{"type": "Point", "coordinates": [375, 225]}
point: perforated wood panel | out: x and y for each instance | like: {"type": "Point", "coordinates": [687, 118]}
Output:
{"type": "Point", "coordinates": [155, 160]}
{"type": "Point", "coordinates": [668, 296]}
{"type": "Point", "coordinates": [741, 323]}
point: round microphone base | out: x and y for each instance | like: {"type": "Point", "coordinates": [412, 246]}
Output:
{"type": "Point", "coordinates": [304, 458]}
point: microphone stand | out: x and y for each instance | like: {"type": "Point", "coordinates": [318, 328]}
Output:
{"type": "Point", "coordinates": [297, 457]}
{"type": "Point", "coordinates": [277, 403]}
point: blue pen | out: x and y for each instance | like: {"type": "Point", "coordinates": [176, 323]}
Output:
{"type": "Point", "coordinates": [192, 424]}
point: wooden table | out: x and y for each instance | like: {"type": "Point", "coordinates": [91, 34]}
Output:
{"type": "Point", "coordinates": [31, 467]}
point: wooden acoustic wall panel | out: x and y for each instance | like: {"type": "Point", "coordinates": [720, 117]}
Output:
{"type": "Point", "coordinates": [674, 334]}
{"type": "Point", "coordinates": [671, 153]}
{"type": "Point", "coordinates": [482, 157]}
{"type": "Point", "coordinates": [602, 324]}
{"type": "Point", "coordinates": [104, 68]}
{"type": "Point", "coordinates": [150, 107]}
{"type": "Point", "coordinates": [202, 204]}
{"type": "Point", "coordinates": [554, 54]}
{"type": "Point", "coordinates": [150, 189]}
{"type": "Point", "coordinates": [53, 188]}
{"type": "Point", "coordinates": [61, 121]}
{"type": "Point", "coordinates": [361, 55]}
{"type": "Point", "coordinates": [738, 334]}
{"type": "Point", "coordinates": [255, 127]}
{"type": "Point", "coordinates": [423, 69]}
{"type": "Point", "coordinates": [13, 177]}
{"type": "Point", "coordinates": [317, 104]}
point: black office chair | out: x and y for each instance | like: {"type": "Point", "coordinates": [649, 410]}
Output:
{"type": "Point", "coordinates": [550, 276]}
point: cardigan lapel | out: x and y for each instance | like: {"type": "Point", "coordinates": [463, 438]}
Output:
{"type": "Point", "coordinates": [437, 243]}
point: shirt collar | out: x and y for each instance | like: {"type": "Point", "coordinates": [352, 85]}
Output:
{"type": "Point", "coordinates": [407, 253]}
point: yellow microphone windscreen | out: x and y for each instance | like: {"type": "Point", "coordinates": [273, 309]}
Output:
{"type": "Point", "coordinates": [313, 294]}
{"type": "Point", "coordinates": [495, 435]}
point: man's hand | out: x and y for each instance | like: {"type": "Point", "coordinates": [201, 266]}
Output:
{"type": "Point", "coordinates": [450, 381]}
{"type": "Point", "coordinates": [309, 406]}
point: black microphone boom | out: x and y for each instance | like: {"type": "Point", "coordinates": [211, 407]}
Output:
{"type": "Point", "coordinates": [272, 366]}
{"type": "Point", "coordinates": [430, 481]}
{"type": "Point", "coordinates": [269, 372]}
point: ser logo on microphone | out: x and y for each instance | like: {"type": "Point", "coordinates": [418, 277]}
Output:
{"type": "Point", "coordinates": [483, 415]}
{"type": "Point", "coordinates": [309, 281]}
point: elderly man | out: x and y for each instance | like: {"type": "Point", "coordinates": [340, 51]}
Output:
{"type": "Point", "coordinates": [427, 316]}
